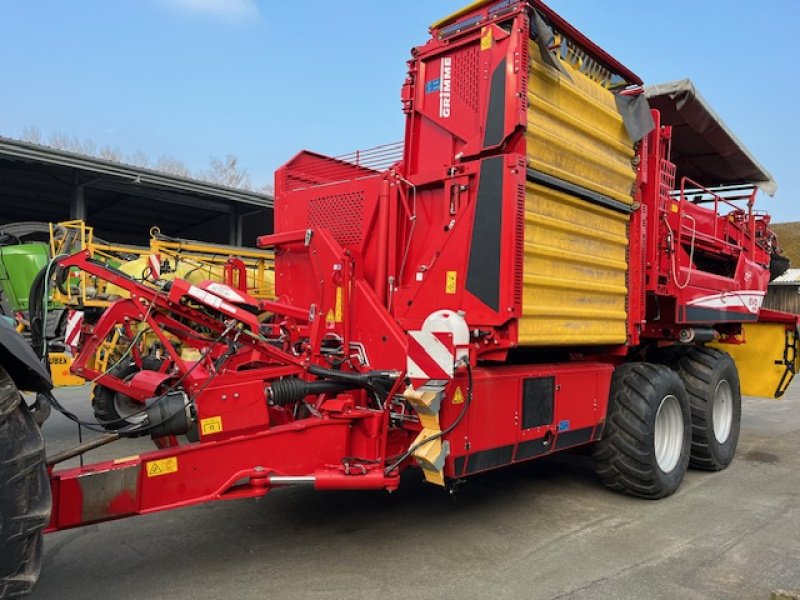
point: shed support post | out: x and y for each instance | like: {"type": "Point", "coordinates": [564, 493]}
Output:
{"type": "Point", "coordinates": [77, 206]}
{"type": "Point", "coordinates": [234, 229]}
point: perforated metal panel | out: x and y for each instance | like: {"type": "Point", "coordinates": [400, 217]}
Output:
{"type": "Point", "coordinates": [519, 241]}
{"type": "Point", "coordinates": [466, 77]}
{"type": "Point", "coordinates": [342, 214]}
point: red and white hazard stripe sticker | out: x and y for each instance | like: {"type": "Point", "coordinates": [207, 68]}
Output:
{"type": "Point", "coordinates": [72, 334]}
{"type": "Point", "coordinates": [154, 260]}
{"type": "Point", "coordinates": [430, 355]}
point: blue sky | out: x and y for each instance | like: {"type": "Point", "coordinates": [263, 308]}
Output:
{"type": "Point", "coordinates": [264, 79]}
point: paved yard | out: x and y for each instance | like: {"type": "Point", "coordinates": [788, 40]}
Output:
{"type": "Point", "coordinates": [543, 530]}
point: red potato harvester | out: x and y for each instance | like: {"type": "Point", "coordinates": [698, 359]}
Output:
{"type": "Point", "coordinates": [555, 256]}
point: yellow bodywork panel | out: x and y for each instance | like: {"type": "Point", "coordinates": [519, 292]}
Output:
{"type": "Point", "coordinates": [575, 132]}
{"type": "Point", "coordinates": [60, 363]}
{"type": "Point", "coordinates": [574, 271]}
{"type": "Point", "coordinates": [459, 13]}
{"type": "Point", "coordinates": [767, 360]}
{"type": "Point", "coordinates": [192, 271]}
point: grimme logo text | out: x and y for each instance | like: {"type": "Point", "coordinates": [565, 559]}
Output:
{"type": "Point", "coordinates": [444, 92]}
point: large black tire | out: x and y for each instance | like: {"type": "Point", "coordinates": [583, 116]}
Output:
{"type": "Point", "coordinates": [708, 375]}
{"type": "Point", "coordinates": [24, 493]}
{"type": "Point", "coordinates": [627, 459]}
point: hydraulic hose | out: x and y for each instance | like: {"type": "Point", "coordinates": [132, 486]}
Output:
{"type": "Point", "coordinates": [293, 389]}
{"type": "Point", "coordinates": [378, 382]}
{"type": "Point", "coordinates": [360, 379]}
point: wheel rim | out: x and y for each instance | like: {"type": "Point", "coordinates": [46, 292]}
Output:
{"type": "Point", "coordinates": [129, 410]}
{"type": "Point", "coordinates": [668, 433]}
{"type": "Point", "coordinates": [723, 411]}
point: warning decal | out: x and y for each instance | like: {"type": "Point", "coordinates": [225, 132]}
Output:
{"type": "Point", "coordinates": [211, 425]}
{"type": "Point", "coordinates": [165, 466]}
{"type": "Point", "coordinates": [450, 282]}
{"type": "Point", "coordinates": [338, 314]}
{"type": "Point", "coordinates": [486, 38]}
{"type": "Point", "coordinates": [458, 397]}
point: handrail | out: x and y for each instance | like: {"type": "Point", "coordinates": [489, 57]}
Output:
{"type": "Point", "coordinates": [720, 199]}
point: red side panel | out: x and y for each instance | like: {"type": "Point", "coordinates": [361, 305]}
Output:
{"type": "Point", "coordinates": [524, 412]}
{"type": "Point", "coordinates": [318, 192]}
{"type": "Point", "coordinates": [465, 249]}
{"type": "Point", "coordinates": [466, 95]}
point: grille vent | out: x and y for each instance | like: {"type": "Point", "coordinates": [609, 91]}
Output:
{"type": "Point", "coordinates": [341, 214]}
{"type": "Point", "coordinates": [466, 77]}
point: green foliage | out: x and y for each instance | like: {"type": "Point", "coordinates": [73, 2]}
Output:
{"type": "Point", "coordinates": [789, 240]}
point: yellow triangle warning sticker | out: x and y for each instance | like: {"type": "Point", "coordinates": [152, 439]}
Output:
{"type": "Point", "coordinates": [458, 397]}
{"type": "Point", "coordinates": [165, 466]}
{"type": "Point", "coordinates": [329, 317]}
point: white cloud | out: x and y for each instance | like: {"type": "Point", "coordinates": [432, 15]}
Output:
{"type": "Point", "coordinates": [237, 11]}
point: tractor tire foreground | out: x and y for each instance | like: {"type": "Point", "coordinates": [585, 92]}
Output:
{"type": "Point", "coordinates": [645, 446]}
{"type": "Point", "coordinates": [24, 493]}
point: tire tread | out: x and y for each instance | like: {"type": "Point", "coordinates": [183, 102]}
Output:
{"type": "Point", "coordinates": [623, 457]}
{"type": "Point", "coordinates": [697, 367]}
{"type": "Point", "coordinates": [25, 501]}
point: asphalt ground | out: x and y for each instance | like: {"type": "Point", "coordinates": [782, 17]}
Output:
{"type": "Point", "coordinates": [542, 530]}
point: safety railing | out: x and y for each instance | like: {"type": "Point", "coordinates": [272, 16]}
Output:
{"type": "Point", "coordinates": [693, 192]}
{"type": "Point", "coordinates": [313, 170]}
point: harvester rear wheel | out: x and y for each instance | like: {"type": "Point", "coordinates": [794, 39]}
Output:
{"type": "Point", "coordinates": [24, 493]}
{"type": "Point", "coordinates": [712, 382]}
{"type": "Point", "coordinates": [644, 450]}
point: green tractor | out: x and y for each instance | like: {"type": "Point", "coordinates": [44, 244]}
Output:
{"type": "Point", "coordinates": [24, 255]}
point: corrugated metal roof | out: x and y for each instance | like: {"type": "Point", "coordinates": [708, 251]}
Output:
{"type": "Point", "coordinates": [790, 277]}
{"type": "Point", "coordinates": [17, 150]}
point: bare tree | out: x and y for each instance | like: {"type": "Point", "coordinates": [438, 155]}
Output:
{"type": "Point", "coordinates": [139, 159]}
{"type": "Point", "coordinates": [60, 141]}
{"type": "Point", "coordinates": [88, 147]}
{"type": "Point", "coordinates": [172, 166]}
{"type": "Point", "coordinates": [228, 172]}
{"type": "Point", "coordinates": [32, 134]}
{"type": "Point", "coordinates": [71, 143]}
{"type": "Point", "coordinates": [111, 154]}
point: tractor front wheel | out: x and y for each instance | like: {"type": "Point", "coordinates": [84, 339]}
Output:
{"type": "Point", "coordinates": [24, 493]}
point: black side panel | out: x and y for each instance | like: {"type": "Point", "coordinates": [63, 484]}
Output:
{"type": "Point", "coordinates": [495, 115]}
{"type": "Point", "coordinates": [489, 459]}
{"type": "Point", "coordinates": [538, 395]}
{"type": "Point", "coordinates": [573, 438]}
{"type": "Point", "coordinates": [458, 465]}
{"type": "Point", "coordinates": [532, 449]}
{"type": "Point", "coordinates": [483, 273]}
{"type": "Point", "coordinates": [699, 314]}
